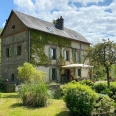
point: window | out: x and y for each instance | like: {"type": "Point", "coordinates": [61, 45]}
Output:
{"type": "Point", "coordinates": [18, 50]}
{"type": "Point", "coordinates": [53, 53]}
{"type": "Point", "coordinates": [49, 29]}
{"type": "Point", "coordinates": [12, 77]}
{"type": "Point", "coordinates": [54, 74]}
{"type": "Point", "coordinates": [76, 37]}
{"type": "Point", "coordinates": [8, 52]}
{"type": "Point", "coordinates": [66, 55]}
{"type": "Point", "coordinates": [78, 56]}
{"type": "Point", "coordinates": [79, 72]}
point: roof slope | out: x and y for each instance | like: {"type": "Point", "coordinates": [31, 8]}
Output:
{"type": "Point", "coordinates": [38, 24]}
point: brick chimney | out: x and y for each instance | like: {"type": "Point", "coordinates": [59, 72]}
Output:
{"type": "Point", "coordinates": [60, 23]}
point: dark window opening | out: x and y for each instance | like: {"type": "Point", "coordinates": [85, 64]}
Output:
{"type": "Point", "coordinates": [12, 77]}
{"type": "Point", "coordinates": [67, 55]}
{"type": "Point", "coordinates": [18, 50]}
{"type": "Point", "coordinates": [79, 72]}
{"type": "Point", "coordinates": [53, 53]}
{"type": "Point", "coordinates": [7, 52]}
{"type": "Point", "coordinates": [53, 74]}
{"type": "Point", "coordinates": [13, 27]}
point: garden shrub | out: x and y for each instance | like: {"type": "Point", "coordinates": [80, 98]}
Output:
{"type": "Point", "coordinates": [87, 82]}
{"type": "Point", "coordinates": [99, 87]}
{"type": "Point", "coordinates": [9, 87]}
{"type": "Point", "coordinates": [34, 95]}
{"type": "Point", "coordinates": [29, 73]}
{"type": "Point", "coordinates": [58, 93]}
{"type": "Point", "coordinates": [105, 106]}
{"type": "Point", "coordinates": [114, 97]}
{"type": "Point", "coordinates": [80, 99]}
{"type": "Point", "coordinates": [113, 89]}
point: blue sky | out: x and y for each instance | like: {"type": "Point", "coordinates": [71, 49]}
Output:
{"type": "Point", "coordinates": [94, 19]}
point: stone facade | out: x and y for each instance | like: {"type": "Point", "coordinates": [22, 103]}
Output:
{"type": "Point", "coordinates": [12, 38]}
{"type": "Point", "coordinates": [16, 49]}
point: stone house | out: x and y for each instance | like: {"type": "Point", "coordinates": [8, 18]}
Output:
{"type": "Point", "coordinates": [49, 46]}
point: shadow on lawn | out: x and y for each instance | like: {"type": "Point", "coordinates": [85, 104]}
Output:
{"type": "Point", "coordinates": [63, 113]}
{"type": "Point", "coordinates": [10, 96]}
{"type": "Point", "coordinates": [16, 105]}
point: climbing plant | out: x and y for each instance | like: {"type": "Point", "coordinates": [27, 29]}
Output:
{"type": "Point", "coordinates": [38, 42]}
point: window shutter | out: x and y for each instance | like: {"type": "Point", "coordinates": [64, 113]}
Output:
{"type": "Point", "coordinates": [80, 56]}
{"type": "Point", "coordinates": [76, 73]}
{"type": "Point", "coordinates": [58, 74]}
{"type": "Point", "coordinates": [49, 53]}
{"type": "Point", "coordinates": [50, 74]}
{"type": "Point", "coordinates": [76, 56]}
{"type": "Point", "coordinates": [10, 52]}
{"type": "Point", "coordinates": [70, 54]}
{"type": "Point", "coordinates": [57, 53]}
{"type": "Point", "coordinates": [64, 54]}
{"type": "Point", "coordinates": [15, 50]}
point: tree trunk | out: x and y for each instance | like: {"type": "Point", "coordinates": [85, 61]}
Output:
{"type": "Point", "coordinates": [108, 76]}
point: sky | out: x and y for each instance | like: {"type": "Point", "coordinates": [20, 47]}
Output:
{"type": "Point", "coordinates": [94, 19]}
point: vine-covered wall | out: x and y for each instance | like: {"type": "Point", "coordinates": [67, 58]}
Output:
{"type": "Point", "coordinates": [38, 42]}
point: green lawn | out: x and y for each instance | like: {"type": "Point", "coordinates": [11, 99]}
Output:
{"type": "Point", "coordinates": [111, 83]}
{"type": "Point", "coordinates": [11, 106]}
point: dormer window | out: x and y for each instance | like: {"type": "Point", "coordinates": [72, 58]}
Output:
{"type": "Point", "coordinates": [76, 37]}
{"type": "Point", "coordinates": [49, 29]}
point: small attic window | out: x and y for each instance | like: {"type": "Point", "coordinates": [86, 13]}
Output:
{"type": "Point", "coordinates": [13, 27]}
{"type": "Point", "coordinates": [49, 29]}
{"type": "Point", "coordinates": [76, 37]}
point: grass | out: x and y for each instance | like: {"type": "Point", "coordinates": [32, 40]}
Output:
{"type": "Point", "coordinates": [111, 83]}
{"type": "Point", "coordinates": [11, 106]}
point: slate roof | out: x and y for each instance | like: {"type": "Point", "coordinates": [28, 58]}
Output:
{"type": "Point", "coordinates": [38, 24]}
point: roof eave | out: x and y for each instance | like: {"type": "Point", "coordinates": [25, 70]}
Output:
{"type": "Point", "coordinates": [6, 24]}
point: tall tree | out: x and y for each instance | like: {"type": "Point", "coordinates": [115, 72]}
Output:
{"type": "Point", "coordinates": [103, 54]}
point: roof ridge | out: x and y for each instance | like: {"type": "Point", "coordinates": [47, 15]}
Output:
{"type": "Point", "coordinates": [36, 23]}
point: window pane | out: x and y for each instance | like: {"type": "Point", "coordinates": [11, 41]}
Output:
{"type": "Point", "coordinates": [53, 53]}
{"type": "Point", "coordinates": [12, 77]}
{"type": "Point", "coordinates": [79, 72]}
{"type": "Point", "coordinates": [53, 74]}
{"type": "Point", "coordinates": [67, 55]}
{"type": "Point", "coordinates": [18, 50]}
{"type": "Point", "coordinates": [7, 52]}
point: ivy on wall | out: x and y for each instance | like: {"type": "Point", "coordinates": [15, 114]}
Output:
{"type": "Point", "coordinates": [38, 42]}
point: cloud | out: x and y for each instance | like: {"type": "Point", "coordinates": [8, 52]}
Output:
{"type": "Point", "coordinates": [86, 2]}
{"type": "Point", "coordinates": [3, 24]}
{"type": "Point", "coordinates": [93, 21]}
